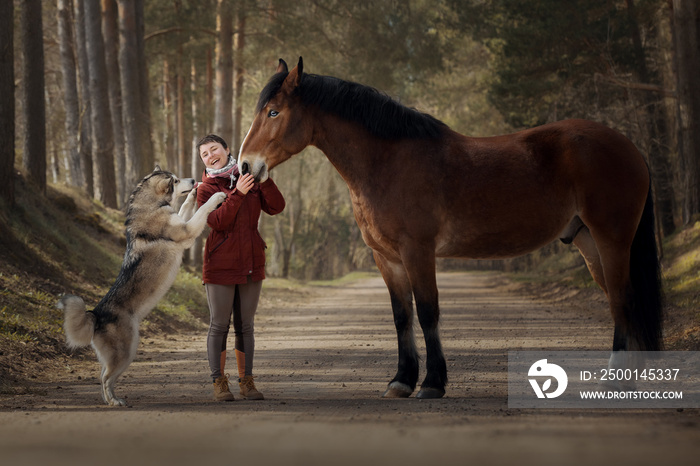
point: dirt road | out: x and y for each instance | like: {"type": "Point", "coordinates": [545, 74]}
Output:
{"type": "Point", "coordinates": [323, 362]}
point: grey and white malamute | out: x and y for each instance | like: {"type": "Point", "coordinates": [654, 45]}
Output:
{"type": "Point", "coordinates": [156, 237]}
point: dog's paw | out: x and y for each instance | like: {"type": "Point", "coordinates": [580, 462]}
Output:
{"type": "Point", "coordinates": [218, 198]}
{"type": "Point", "coordinates": [192, 195]}
{"type": "Point", "coordinates": [117, 402]}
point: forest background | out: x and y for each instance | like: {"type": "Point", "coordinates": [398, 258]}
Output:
{"type": "Point", "coordinates": [104, 90]}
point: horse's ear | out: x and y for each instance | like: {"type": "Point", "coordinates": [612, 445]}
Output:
{"type": "Point", "coordinates": [300, 67]}
{"type": "Point", "coordinates": [282, 67]}
{"type": "Point", "coordinates": [157, 169]}
{"type": "Point", "coordinates": [294, 78]}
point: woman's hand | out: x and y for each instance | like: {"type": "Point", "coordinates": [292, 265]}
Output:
{"type": "Point", "coordinates": [244, 183]}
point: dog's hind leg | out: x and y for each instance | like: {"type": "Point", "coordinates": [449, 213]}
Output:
{"type": "Point", "coordinates": [115, 356]}
{"type": "Point", "coordinates": [112, 372]}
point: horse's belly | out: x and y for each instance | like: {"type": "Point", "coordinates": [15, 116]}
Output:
{"type": "Point", "coordinates": [497, 243]}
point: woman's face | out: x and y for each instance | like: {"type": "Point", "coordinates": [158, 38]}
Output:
{"type": "Point", "coordinates": [214, 155]}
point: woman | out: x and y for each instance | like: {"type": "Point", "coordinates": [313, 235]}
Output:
{"type": "Point", "coordinates": [234, 261]}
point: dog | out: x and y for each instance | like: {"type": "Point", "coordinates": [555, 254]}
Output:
{"type": "Point", "coordinates": [156, 237]}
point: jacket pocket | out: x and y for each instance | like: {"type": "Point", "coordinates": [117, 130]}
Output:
{"type": "Point", "coordinates": [218, 245]}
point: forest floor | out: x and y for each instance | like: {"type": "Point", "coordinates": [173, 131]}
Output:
{"type": "Point", "coordinates": [324, 356]}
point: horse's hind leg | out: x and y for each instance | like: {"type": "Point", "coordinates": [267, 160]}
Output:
{"type": "Point", "coordinates": [615, 261]}
{"type": "Point", "coordinates": [588, 249]}
{"type": "Point", "coordinates": [394, 274]}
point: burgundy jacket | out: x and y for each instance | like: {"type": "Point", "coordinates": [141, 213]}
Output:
{"type": "Point", "coordinates": [234, 248]}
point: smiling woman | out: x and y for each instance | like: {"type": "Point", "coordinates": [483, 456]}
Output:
{"type": "Point", "coordinates": [234, 261]}
{"type": "Point", "coordinates": [214, 155]}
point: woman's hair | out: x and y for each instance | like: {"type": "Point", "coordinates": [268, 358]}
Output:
{"type": "Point", "coordinates": [208, 139]}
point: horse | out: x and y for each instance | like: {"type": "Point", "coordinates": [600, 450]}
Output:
{"type": "Point", "coordinates": [420, 190]}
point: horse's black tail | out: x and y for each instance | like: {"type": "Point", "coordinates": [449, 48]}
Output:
{"type": "Point", "coordinates": [646, 313]}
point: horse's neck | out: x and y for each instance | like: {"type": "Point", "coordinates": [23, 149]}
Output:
{"type": "Point", "coordinates": [352, 150]}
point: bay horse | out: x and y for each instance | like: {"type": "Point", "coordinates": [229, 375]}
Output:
{"type": "Point", "coordinates": [420, 190]}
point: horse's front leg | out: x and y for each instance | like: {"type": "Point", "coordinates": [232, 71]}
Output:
{"type": "Point", "coordinates": [420, 267]}
{"type": "Point", "coordinates": [394, 274]}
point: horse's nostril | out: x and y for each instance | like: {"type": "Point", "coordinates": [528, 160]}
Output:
{"type": "Point", "coordinates": [245, 168]}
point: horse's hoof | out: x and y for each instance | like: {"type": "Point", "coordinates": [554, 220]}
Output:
{"type": "Point", "coordinates": [430, 393]}
{"type": "Point", "coordinates": [397, 390]}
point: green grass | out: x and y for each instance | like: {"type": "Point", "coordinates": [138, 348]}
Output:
{"type": "Point", "coordinates": [682, 270]}
{"type": "Point", "coordinates": [345, 280]}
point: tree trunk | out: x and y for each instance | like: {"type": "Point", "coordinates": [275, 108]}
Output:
{"type": "Point", "coordinates": [208, 120]}
{"type": "Point", "coordinates": [102, 134]}
{"type": "Point", "coordinates": [182, 147]}
{"type": "Point", "coordinates": [7, 109]}
{"type": "Point", "coordinates": [147, 153]}
{"type": "Point", "coordinates": [286, 235]}
{"type": "Point", "coordinates": [239, 45]}
{"type": "Point", "coordinates": [196, 250]}
{"type": "Point", "coordinates": [194, 157]}
{"type": "Point", "coordinates": [70, 93]}
{"type": "Point", "coordinates": [657, 134]}
{"type": "Point", "coordinates": [223, 124]}
{"type": "Point", "coordinates": [130, 93]}
{"type": "Point", "coordinates": [169, 117]}
{"type": "Point", "coordinates": [110, 24]}
{"type": "Point", "coordinates": [34, 156]}
{"type": "Point", "coordinates": [687, 59]}
{"type": "Point", "coordinates": [85, 118]}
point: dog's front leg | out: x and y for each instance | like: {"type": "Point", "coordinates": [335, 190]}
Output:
{"type": "Point", "coordinates": [196, 224]}
{"type": "Point", "coordinates": [189, 207]}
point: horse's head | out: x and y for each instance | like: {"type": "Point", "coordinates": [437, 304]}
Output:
{"type": "Point", "coordinates": [279, 129]}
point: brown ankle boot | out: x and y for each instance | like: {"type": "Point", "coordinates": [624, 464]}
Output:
{"type": "Point", "coordinates": [221, 390]}
{"type": "Point", "coordinates": [248, 389]}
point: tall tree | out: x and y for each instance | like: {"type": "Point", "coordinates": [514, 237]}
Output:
{"type": "Point", "coordinates": [223, 118]}
{"type": "Point", "coordinates": [195, 254]}
{"type": "Point", "coordinates": [110, 29]}
{"type": "Point", "coordinates": [169, 117]}
{"type": "Point", "coordinates": [84, 88]}
{"type": "Point", "coordinates": [182, 146]}
{"type": "Point", "coordinates": [70, 92]}
{"type": "Point", "coordinates": [145, 142]}
{"type": "Point", "coordinates": [658, 147]}
{"type": "Point", "coordinates": [131, 95]}
{"type": "Point", "coordinates": [208, 119]}
{"type": "Point", "coordinates": [239, 74]}
{"type": "Point", "coordinates": [102, 135]}
{"type": "Point", "coordinates": [34, 156]}
{"type": "Point", "coordinates": [7, 109]}
{"type": "Point", "coordinates": [687, 60]}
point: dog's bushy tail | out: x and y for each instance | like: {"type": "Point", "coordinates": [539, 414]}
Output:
{"type": "Point", "coordinates": [78, 324]}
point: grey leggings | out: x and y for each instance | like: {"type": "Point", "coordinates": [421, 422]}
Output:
{"type": "Point", "coordinates": [241, 301]}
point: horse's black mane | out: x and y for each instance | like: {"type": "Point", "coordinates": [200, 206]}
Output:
{"type": "Point", "coordinates": [380, 114]}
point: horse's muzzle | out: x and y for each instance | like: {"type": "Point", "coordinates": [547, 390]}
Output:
{"type": "Point", "coordinates": [257, 168]}
{"type": "Point", "coordinates": [245, 168]}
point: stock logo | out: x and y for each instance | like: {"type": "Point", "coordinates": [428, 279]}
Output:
{"type": "Point", "coordinates": [541, 369]}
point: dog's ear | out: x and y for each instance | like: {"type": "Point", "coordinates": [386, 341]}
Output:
{"type": "Point", "coordinates": [165, 186]}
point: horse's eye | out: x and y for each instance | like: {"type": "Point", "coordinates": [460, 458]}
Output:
{"type": "Point", "coordinates": [273, 113]}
